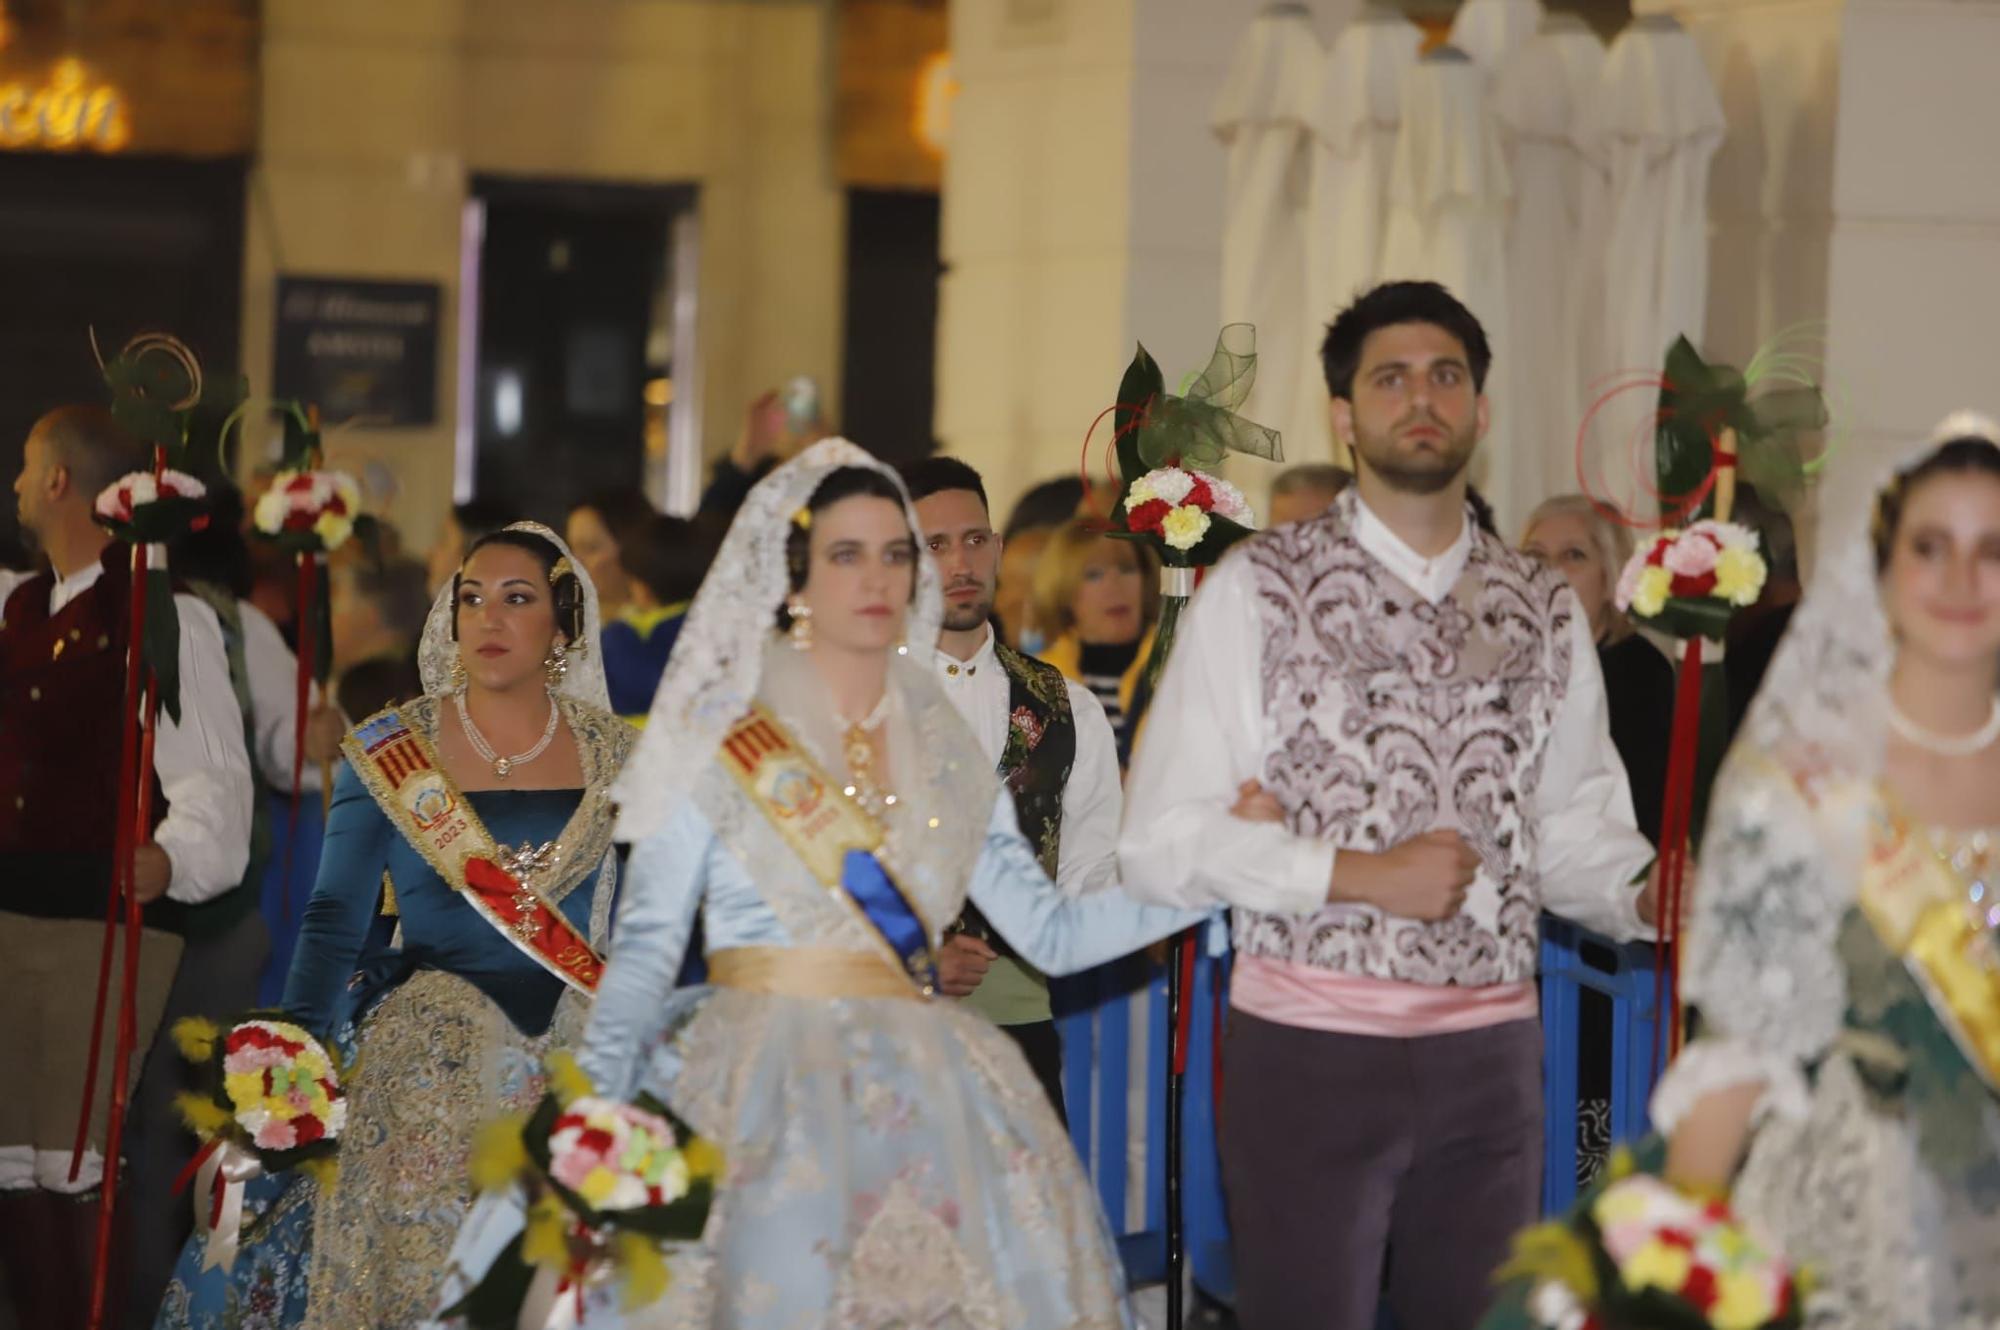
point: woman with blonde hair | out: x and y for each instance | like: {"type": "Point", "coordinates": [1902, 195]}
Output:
{"type": "Point", "coordinates": [1098, 600]}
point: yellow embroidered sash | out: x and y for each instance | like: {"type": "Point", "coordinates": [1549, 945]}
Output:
{"type": "Point", "coordinates": [1919, 908]}
{"type": "Point", "coordinates": [402, 771]}
{"type": "Point", "coordinates": [833, 836]}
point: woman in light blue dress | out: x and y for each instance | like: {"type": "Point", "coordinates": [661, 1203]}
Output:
{"type": "Point", "coordinates": [449, 997]}
{"type": "Point", "coordinates": [890, 1160]}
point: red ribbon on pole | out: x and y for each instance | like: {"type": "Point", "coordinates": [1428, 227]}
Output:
{"type": "Point", "coordinates": [123, 843]}
{"type": "Point", "coordinates": [1676, 816]}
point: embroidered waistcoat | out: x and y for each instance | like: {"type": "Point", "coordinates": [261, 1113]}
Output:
{"type": "Point", "coordinates": [1389, 716]}
{"type": "Point", "coordinates": [1034, 766]}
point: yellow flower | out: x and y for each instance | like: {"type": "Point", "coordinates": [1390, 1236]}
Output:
{"type": "Point", "coordinates": [1656, 1265]}
{"type": "Point", "coordinates": [1650, 597]}
{"type": "Point", "coordinates": [245, 1089]}
{"type": "Point", "coordinates": [1741, 1302]}
{"type": "Point", "coordinates": [333, 528]}
{"type": "Point", "coordinates": [597, 1186]}
{"type": "Point", "coordinates": [1739, 576]}
{"type": "Point", "coordinates": [1141, 492]}
{"type": "Point", "coordinates": [1184, 527]}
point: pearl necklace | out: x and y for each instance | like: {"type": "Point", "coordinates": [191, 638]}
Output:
{"type": "Point", "coordinates": [503, 765]}
{"type": "Point", "coordinates": [1946, 745]}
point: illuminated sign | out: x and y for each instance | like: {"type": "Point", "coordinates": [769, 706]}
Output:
{"type": "Point", "coordinates": [68, 113]}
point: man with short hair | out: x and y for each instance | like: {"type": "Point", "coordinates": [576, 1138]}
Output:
{"type": "Point", "coordinates": [1306, 491]}
{"type": "Point", "coordinates": [1048, 737]}
{"type": "Point", "coordinates": [1418, 709]}
{"type": "Point", "coordinates": [62, 687]}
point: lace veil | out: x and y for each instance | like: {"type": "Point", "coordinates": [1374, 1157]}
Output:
{"type": "Point", "coordinates": [1788, 828]}
{"type": "Point", "coordinates": [718, 661]}
{"type": "Point", "coordinates": [584, 680]}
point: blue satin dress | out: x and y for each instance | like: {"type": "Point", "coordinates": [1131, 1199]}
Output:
{"type": "Point", "coordinates": [451, 1020]}
{"type": "Point", "coordinates": [889, 1162]}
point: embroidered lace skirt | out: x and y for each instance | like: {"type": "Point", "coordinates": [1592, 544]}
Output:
{"type": "Point", "coordinates": [887, 1164]}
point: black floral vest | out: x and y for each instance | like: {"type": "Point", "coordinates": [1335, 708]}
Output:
{"type": "Point", "coordinates": [1034, 766]}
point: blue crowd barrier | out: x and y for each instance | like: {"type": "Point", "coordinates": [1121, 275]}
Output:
{"type": "Point", "coordinates": [1575, 961]}
{"type": "Point", "coordinates": [1094, 1017]}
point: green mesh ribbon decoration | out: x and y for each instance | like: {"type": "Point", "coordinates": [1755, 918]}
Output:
{"type": "Point", "coordinates": [1768, 408]}
{"type": "Point", "coordinates": [1199, 428]}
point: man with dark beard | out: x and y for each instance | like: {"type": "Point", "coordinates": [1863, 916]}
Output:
{"type": "Point", "coordinates": [1050, 740]}
{"type": "Point", "coordinates": [1417, 709]}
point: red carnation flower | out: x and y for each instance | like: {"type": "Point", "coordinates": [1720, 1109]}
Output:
{"type": "Point", "coordinates": [1148, 516]}
{"type": "Point", "coordinates": [1695, 587]}
{"type": "Point", "coordinates": [1701, 1289]}
{"type": "Point", "coordinates": [300, 484]}
{"type": "Point", "coordinates": [1677, 1237]}
{"type": "Point", "coordinates": [1200, 495]}
{"type": "Point", "coordinates": [309, 1128]}
{"type": "Point", "coordinates": [595, 1139]}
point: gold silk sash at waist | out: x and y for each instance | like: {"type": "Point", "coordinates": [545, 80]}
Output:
{"type": "Point", "coordinates": [809, 972]}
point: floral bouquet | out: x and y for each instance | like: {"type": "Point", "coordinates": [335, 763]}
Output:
{"type": "Point", "coordinates": [1639, 1254]}
{"type": "Point", "coordinates": [610, 1184]}
{"type": "Point", "coordinates": [308, 511]}
{"type": "Point", "coordinates": [1688, 583]}
{"type": "Point", "coordinates": [1161, 443]}
{"type": "Point", "coordinates": [1181, 507]}
{"type": "Point", "coordinates": [273, 1102]}
{"type": "Point", "coordinates": [148, 507]}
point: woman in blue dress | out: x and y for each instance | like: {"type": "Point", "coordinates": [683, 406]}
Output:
{"type": "Point", "coordinates": [454, 936]}
{"type": "Point", "coordinates": [890, 1160]}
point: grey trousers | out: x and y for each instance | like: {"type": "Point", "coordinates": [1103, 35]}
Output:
{"type": "Point", "coordinates": [1347, 1155]}
{"type": "Point", "coordinates": [217, 979]}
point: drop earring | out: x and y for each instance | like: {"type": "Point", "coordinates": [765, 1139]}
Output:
{"type": "Point", "coordinates": [555, 667]}
{"type": "Point", "coordinates": [802, 628]}
{"type": "Point", "coordinates": [455, 680]}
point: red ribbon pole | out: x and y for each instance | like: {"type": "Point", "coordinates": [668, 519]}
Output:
{"type": "Point", "coordinates": [123, 845]}
{"type": "Point", "coordinates": [1675, 817]}
{"type": "Point", "coordinates": [303, 699]}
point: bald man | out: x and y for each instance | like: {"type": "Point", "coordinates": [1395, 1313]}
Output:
{"type": "Point", "coordinates": [63, 636]}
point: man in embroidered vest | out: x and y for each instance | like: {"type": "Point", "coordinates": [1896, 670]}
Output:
{"type": "Point", "coordinates": [62, 678]}
{"type": "Point", "coordinates": [1052, 744]}
{"type": "Point", "coordinates": [1418, 708]}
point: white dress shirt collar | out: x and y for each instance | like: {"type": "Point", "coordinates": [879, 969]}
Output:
{"type": "Point", "coordinates": [982, 661]}
{"type": "Point", "coordinates": [1433, 577]}
{"type": "Point", "coordinates": [65, 589]}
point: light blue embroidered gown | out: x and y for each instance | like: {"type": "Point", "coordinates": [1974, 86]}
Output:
{"type": "Point", "coordinates": [450, 1022]}
{"type": "Point", "coordinates": [888, 1162]}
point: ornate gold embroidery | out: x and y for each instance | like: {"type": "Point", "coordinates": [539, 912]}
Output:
{"type": "Point", "coordinates": [437, 1060]}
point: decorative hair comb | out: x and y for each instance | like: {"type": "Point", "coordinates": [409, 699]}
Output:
{"type": "Point", "coordinates": [561, 568]}
{"type": "Point", "coordinates": [803, 519]}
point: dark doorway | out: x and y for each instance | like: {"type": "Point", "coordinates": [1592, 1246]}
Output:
{"type": "Point", "coordinates": [123, 245]}
{"type": "Point", "coordinates": [889, 382]}
{"type": "Point", "coordinates": [572, 290]}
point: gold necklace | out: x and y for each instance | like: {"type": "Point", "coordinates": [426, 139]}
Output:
{"type": "Point", "coordinates": [858, 747]}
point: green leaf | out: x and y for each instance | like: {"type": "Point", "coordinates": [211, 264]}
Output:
{"type": "Point", "coordinates": [1142, 387]}
{"type": "Point", "coordinates": [322, 624]}
{"type": "Point", "coordinates": [1687, 616]}
{"type": "Point", "coordinates": [162, 639]}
